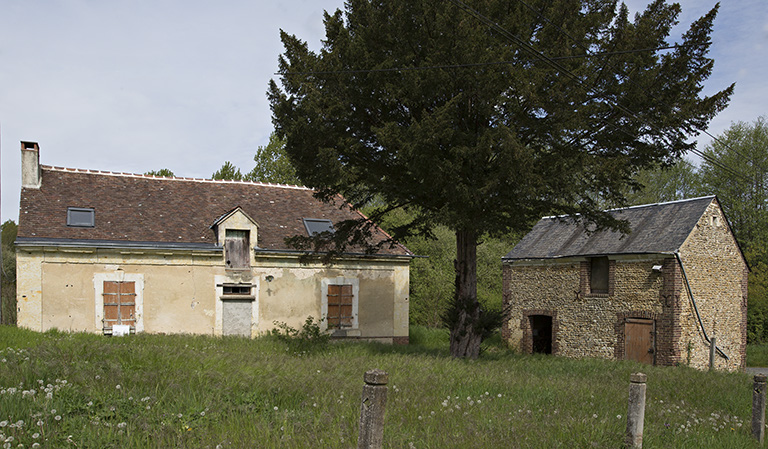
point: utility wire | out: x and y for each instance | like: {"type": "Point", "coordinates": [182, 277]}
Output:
{"type": "Point", "coordinates": [530, 48]}
{"type": "Point", "coordinates": [583, 47]}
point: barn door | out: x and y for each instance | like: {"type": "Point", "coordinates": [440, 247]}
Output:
{"type": "Point", "coordinates": [119, 304]}
{"type": "Point", "coordinates": [639, 342]}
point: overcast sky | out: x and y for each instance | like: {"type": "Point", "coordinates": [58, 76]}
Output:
{"type": "Point", "coordinates": [140, 85]}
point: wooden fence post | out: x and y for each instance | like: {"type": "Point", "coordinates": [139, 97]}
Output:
{"type": "Point", "coordinates": [758, 408]}
{"type": "Point", "coordinates": [636, 413]}
{"type": "Point", "coordinates": [372, 410]}
{"type": "Point", "coordinates": [712, 350]}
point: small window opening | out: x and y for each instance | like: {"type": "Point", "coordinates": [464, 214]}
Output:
{"type": "Point", "coordinates": [716, 221]}
{"type": "Point", "coordinates": [315, 226]}
{"type": "Point", "coordinates": [237, 289]}
{"type": "Point", "coordinates": [81, 217]}
{"type": "Point", "coordinates": [598, 279]}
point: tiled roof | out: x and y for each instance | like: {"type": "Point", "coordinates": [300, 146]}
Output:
{"type": "Point", "coordinates": [655, 228]}
{"type": "Point", "coordinates": [142, 208]}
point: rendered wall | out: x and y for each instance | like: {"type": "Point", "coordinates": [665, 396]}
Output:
{"type": "Point", "coordinates": [182, 290]}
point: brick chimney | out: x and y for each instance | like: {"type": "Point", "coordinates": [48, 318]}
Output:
{"type": "Point", "coordinates": [30, 165]}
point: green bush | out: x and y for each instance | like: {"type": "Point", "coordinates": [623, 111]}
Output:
{"type": "Point", "coordinates": [308, 338]}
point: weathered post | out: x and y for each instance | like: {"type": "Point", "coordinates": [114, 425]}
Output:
{"type": "Point", "coordinates": [712, 349]}
{"type": "Point", "coordinates": [758, 408]}
{"type": "Point", "coordinates": [636, 413]}
{"type": "Point", "coordinates": [372, 410]}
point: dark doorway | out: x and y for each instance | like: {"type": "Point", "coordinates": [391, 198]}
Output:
{"type": "Point", "coordinates": [541, 334]}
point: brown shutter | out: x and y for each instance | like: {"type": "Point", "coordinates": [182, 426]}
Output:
{"type": "Point", "coordinates": [340, 300]}
{"type": "Point", "coordinates": [236, 249]}
{"type": "Point", "coordinates": [119, 304]}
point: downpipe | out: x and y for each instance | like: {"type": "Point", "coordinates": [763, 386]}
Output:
{"type": "Point", "coordinates": [696, 308]}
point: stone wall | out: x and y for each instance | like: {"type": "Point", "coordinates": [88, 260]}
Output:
{"type": "Point", "coordinates": [592, 325]}
{"type": "Point", "coordinates": [586, 323]}
{"type": "Point", "coordinates": [717, 274]}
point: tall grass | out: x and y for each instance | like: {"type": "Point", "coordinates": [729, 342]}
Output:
{"type": "Point", "coordinates": [150, 391]}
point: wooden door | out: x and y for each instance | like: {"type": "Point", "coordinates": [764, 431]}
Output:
{"type": "Point", "coordinates": [639, 341]}
{"type": "Point", "coordinates": [119, 304]}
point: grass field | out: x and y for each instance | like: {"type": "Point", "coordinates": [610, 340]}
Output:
{"type": "Point", "coordinates": [60, 390]}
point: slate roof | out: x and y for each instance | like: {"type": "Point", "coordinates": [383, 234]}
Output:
{"type": "Point", "coordinates": [655, 228]}
{"type": "Point", "coordinates": [135, 210]}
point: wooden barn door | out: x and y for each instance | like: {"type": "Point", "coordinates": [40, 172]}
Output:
{"type": "Point", "coordinates": [639, 342]}
{"type": "Point", "coordinates": [119, 304]}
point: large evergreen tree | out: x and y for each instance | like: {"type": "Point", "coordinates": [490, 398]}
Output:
{"type": "Point", "coordinates": [484, 115]}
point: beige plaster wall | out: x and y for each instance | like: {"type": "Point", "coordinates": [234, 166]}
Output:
{"type": "Point", "coordinates": [56, 290]}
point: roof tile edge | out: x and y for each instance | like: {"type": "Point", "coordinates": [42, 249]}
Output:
{"type": "Point", "coordinates": [166, 178]}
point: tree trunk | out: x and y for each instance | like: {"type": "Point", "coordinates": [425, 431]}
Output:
{"type": "Point", "coordinates": [466, 331]}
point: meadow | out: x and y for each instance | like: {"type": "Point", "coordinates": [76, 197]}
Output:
{"type": "Point", "coordinates": [60, 390]}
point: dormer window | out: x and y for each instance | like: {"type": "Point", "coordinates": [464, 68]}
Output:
{"type": "Point", "coordinates": [81, 217]}
{"type": "Point", "coordinates": [316, 226]}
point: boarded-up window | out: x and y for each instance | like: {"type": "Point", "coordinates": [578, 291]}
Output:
{"type": "Point", "coordinates": [340, 300]}
{"type": "Point", "coordinates": [598, 279]}
{"type": "Point", "coordinates": [236, 249]}
{"type": "Point", "coordinates": [119, 304]}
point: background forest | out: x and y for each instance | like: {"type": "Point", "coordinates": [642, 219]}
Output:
{"type": "Point", "coordinates": [734, 167]}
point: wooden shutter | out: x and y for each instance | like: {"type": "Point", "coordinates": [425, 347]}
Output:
{"type": "Point", "coordinates": [236, 249]}
{"type": "Point", "coordinates": [119, 304]}
{"type": "Point", "coordinates": [340, 300]}
{"type": "Point", "coordinates": [599, 267]}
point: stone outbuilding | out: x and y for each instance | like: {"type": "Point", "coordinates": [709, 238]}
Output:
{"type": "Point", "coordinates": [657, 295]}
{"type": "Point", "coordinates": [111, 253]}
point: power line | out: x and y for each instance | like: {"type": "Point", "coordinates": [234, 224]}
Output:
{"type": "Point", "coordinates": [583, 47]}
{"type": "Point", "coordinates": [530, 48]}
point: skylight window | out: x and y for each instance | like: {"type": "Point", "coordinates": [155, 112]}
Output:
{"type": "Point", "coordinates": [81, 217]}
{"type": "Point", "coordinates": [317, 225]}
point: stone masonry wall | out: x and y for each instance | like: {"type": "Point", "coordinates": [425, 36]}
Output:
{"type": "Point", "coordinates": [586, 323]}
{"type": "Point", "coordinates": [717, 275]}
{"type": "Point", "coordinates": [591, 325]}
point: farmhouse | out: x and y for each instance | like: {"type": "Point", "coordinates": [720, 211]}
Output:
{"type": "Point", "coordinates": [657, 295]}
{"type": "Point", "coordinates": [108, 252]}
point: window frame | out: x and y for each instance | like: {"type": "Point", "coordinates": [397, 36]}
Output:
{"type": "Point", "coordinates": [119, 276]}
{"type": "Point", "coordinates": [587, 275]}
{"type": "Point", "coordinates": [355, 284]}
{"type": "Point", "coordinates": [71, 211]}
{"type": "Point", "coordinates": [312, 224]}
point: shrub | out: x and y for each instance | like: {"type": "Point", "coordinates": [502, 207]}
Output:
{"type": "Point", "coordinates": [309, 337]}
